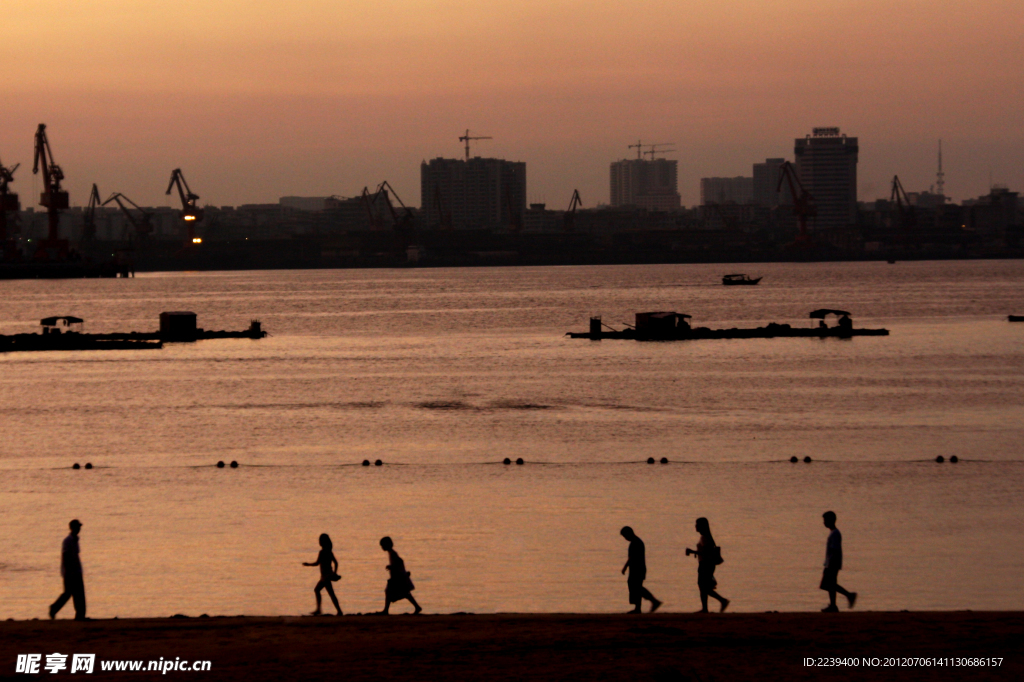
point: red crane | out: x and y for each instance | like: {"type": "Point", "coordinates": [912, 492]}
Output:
{"type": "Point", "coordinates": [569, 218]}
{"type": "Point", "coordinates": [190, 213]}
{"type": "Point", "coordinates": [53, 198]}
{"type": "Point", "coordinates": [8, 200]}
{"type": "Point", "coordinates": [803, 202]}
{"type": "Point", "coordinates": [142, 226]}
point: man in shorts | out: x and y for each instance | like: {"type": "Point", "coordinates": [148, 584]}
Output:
{"type": "Point", "coordinates": [637, 566]}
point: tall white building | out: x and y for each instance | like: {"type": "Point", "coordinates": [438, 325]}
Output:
{"type": "Point", "coordinates": [826, 162]}
{"type": "Point", "coordinates": [647, 183]}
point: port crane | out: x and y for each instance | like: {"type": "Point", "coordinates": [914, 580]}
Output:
{"type": "Point", "coordinates": [466, 138]}
{"type": "Point", "coordinates": [898, 198]}
{"type": "Point", "coordinates": [8, 202]}
{"type": "Point", "coordinates": [190, 213]}
{"type": "Point", "coordinates": [803, 202]}
{"type": "Point", "coordinates": [569, 217]}
{"type": "Point", "coordinates": [369, 202]}
{"type": "Point", "coordinates": [404, 222]}
{"type": "Point", "coordinates": [444, 217]}
{"type": "Point", "coordinates": [89, 217]}
{"type": "Point", "coordinates": [142, 226]}
{"type": "Point", "coordinates": [53, 198]}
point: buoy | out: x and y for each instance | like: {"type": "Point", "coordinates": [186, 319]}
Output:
{"type": "Point", "coordinates": [940, 459]}
{"type": "Point", "coordinates": [954, 459]}
{"type": "Point", "coordinates": [88, 465]}
{"type": "Point", "coordinates": [519, 460]}
{"type": "Point", "coordinates": [793, 459]}
{"type": "Point", "coordinates": [378, 463]}
{"type": "Point", "coordinates": [506, 461]}
{"type": "Point", "coordinates": [650, 460]}
{"type": "Point", "coordinates": [234, 464]}
{"type": "Point", "coordinates": [220, 464]}
{"type": "Point", "coordinates": [366, 462]}
{"type": "Point", "coordinates": [664, 460]}
{"type": "Point", "coordinates": [76, 465]}
{"type": "Point", "coordinates": [807, 459]}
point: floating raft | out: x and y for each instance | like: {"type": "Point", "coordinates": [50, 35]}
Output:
{"type": "Point", "coordinates": [671, 326]}
{"type": "Point", "coordinates": [63, 333]}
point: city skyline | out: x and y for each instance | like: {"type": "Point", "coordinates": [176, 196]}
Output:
{"type": "Point", "coordinates": [314, 106]}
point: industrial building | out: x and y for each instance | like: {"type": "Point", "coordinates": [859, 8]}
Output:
{"type": "Point", "coordinates": [826, 163]}
{"type": "Point", "coordinates": [473, 193]}
{"type": "Point", "coordinates": [766, 184]}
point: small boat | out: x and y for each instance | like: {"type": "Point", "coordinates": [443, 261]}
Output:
{"type": "Point", "coordinates": [739, 279]}
{"type": "Point", "coordinates": [1015, 318]}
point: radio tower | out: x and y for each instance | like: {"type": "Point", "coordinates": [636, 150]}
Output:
{"type": "Point", "coordinates": [940, 177]}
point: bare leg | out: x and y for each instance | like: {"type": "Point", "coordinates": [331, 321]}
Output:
{"type": "Point", "coordinates": [319, 586]}
{"type": "Point", "coordinates": [655, 602]}
{"type": "Point", "coordinates": [721, 600]}
{"type": "Point", "coordinates": [851, 597]}
{"type": "Point", "coordinates": [334, 599]}
{"type": "Point", "coordinates": [412, 600]}
{"type": "Point", "coordinates": [387, 606]}
{"type": "Point", "coordinates": [703, 602]}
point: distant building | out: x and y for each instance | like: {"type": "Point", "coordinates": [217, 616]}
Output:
{"type": "Point", "coordinates": [738, 190]}
{"type": "Point", "coordinates": [304, 203]}
{"type": "Point", "coordinates": [473, 193]}
{"type": "Point", "coordinates": [652, 184]}
{"type": "Point", "coordinates": [826, 163]}
{"type": "Point", "coordinates": [766, 184]}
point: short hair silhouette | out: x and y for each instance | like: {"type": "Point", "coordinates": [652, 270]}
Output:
{"type": "Point", "coordinates": [829, 516]}
{"type": "Point", "coordinates": [627, 532]}
{"type": "Point", "coordinates": [75, 523]}
{"type": "Point", "coordinates": [386, 542]}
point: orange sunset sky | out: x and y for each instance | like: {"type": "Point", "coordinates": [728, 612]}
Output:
{"type": "Point", "coordinates": [264, 98]}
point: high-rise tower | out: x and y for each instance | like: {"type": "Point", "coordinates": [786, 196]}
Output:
{"type": "Point", "coordinates": [827, 165]}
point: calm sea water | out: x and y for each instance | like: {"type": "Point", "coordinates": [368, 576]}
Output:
{"type": "Point", "coordinates": [442, 373]}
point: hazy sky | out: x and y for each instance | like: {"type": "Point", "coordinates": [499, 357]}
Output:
{"type": "Point", "coordinates": [264, 98]}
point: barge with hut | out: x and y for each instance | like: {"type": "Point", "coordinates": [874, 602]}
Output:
{"type": "Point", "coordinates": [673, 326]}
{"type": "Point", "coordinates": [66, 332]}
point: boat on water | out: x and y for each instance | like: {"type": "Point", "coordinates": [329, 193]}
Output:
{"type": "Point", "coordinates": [673, 326]}
{"type": "Point", "coordinates": [66, 332]}
{"type": "Point", "coordinates": [1015, 318]}
{"type": "Point", "coordinates": [739, 279]}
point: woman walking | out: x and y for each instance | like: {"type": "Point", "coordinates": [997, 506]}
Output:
{"type": "Point", "coordinates": [328, 564]}
{"type": "Point", "coordinates": [400, 583]}
{"type": "Point", "coordinates": [709, 555]}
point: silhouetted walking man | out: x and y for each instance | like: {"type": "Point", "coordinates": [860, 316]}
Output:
{"type": "Point", "coordinates": [833, 563]}
{"type": "Point", "coordinates": [636, 563]}
{"type": "Point", "coordinates": [71, 569]}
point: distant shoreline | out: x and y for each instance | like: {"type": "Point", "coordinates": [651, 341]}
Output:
{"type": "Point", "coordinates": [668, 646]}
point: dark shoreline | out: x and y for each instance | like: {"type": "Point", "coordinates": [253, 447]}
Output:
{"type": "Point", "coordinates": [663, 646]}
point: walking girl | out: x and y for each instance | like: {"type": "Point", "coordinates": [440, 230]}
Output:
{"type": "Point", "coordinates": [400, 583]}
{"type": "Point", "coordinates": [328, 564]}
{"type": "Point", "coordinates": [709, 555]}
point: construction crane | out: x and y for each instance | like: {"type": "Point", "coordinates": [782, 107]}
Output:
{"type": "Point", "coordinates": [53, 198]}
{"type": "Point", "coordinates": [142, 226]}
{"type": "Point", "coordinates": [569, 217]}
{"type": "Point", "coordinates": [89, 222]}
{"type": "Point", "coordinates": [466, 138]}
{"type": "Point", "coordinates": [404, 222]}
{"type": "Point", "coordinates": [803, 202]}
{"type": "Point", "coordinates": [8, 200]}
{"type": "Point", "coordinates": [190, 213]}
{"type": "Point", "coordinates": [653, 151]}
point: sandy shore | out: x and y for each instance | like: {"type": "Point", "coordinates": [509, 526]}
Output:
{"type": "Point", "coordinates": [537, 647]}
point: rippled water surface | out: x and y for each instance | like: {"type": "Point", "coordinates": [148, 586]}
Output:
{"type": "Point", "coordinates": [443, 373]}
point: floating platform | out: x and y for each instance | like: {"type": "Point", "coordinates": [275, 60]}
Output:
{"type": "Point", "coordinates": [672, 326]}
{"type": "Point", "coordinates": [60, 333]}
